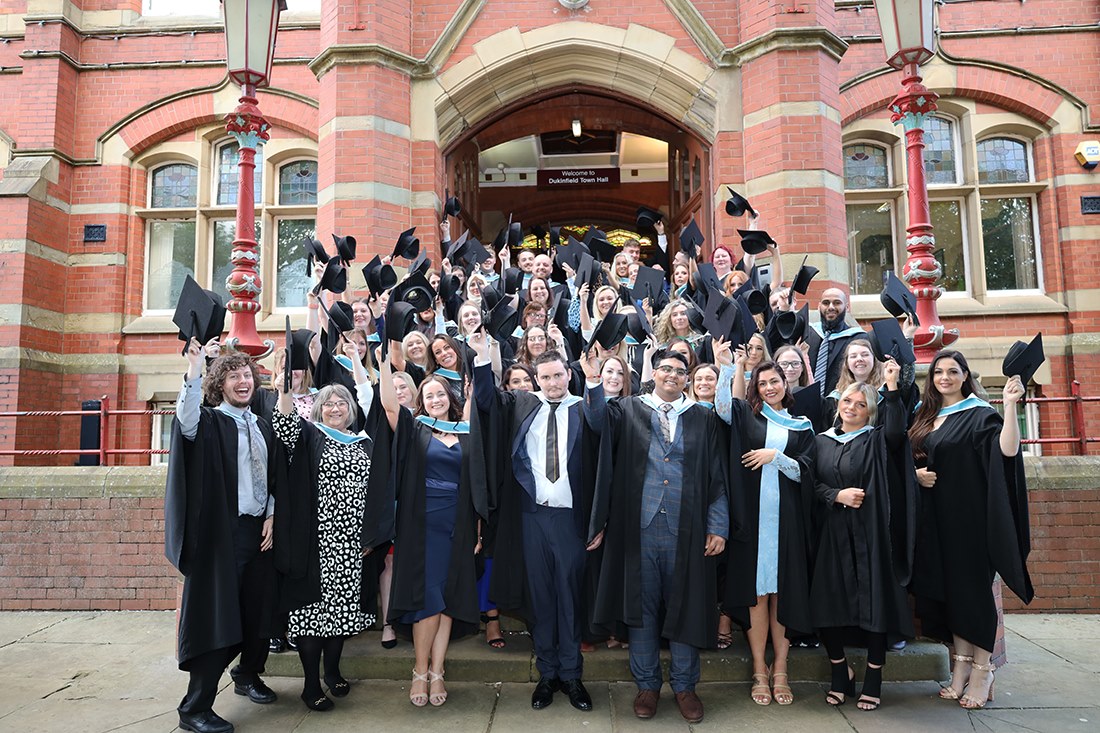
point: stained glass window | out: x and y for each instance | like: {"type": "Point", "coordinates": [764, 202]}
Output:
{"type": "Point", "coordinates": [298, 183]}
{"type": "Point", "coordinates": [174, 186]}
{"type": "Point", "coordinates": [1002, 160]}
{"type": "Point", "coordinates": [228, 171]}
{"type": "Point", "coordinates": [865, 167]}
{"type": "Point", "coordinates": [940, 156]}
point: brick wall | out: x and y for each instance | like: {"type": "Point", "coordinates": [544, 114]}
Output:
{"type": "Point", "coordinates": [92, 538]}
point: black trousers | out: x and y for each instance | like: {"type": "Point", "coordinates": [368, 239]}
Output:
{"type": "Point", "coordinates": [207, 669]}
{"type": "Point", "coordinates": [554, 555]}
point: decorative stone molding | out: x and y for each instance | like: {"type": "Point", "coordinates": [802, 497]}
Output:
{"type": "Point", "coordinates": [785, 39]}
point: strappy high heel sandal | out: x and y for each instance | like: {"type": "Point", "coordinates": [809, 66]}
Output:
{"type": "Point", "coordinates": [977, 702]}
{"type": "Point", "coordinates": [419, 699]}
{"type": "Point", "coordinates": [870, 697]}
{"type": "Point", "coordinates": [761, 691]}
{"type": "Point", "coordinates": [949, 692]}
{"type": "Point", "coordinates": [498, 642]}
{"type": "Point", "coordinates": [843, 684]}
{"type": "Point", "coordinates": [782, 693]}
{"type": "Point", "coordinates": [437, 698]}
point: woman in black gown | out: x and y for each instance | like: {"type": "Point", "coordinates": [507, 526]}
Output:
{"type": "Point", "coordinates": [864, 549]}
{"type": "Point", "coordinates": [441, 499]}
{"type": "Point", "coordinates": [974, 519]}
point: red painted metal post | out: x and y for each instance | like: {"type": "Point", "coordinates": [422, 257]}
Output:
{"type": "Point", "coordinates": [249, 128]}
{"type": "Point", "coordinates": [1079, 417]}
{"type": "Point", "coordinates": [911, 108]}
{"type": "Point", "coordinates": [104, 427]}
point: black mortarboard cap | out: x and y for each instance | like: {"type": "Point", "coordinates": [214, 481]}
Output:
{"type": "Point", "coordinates": [538, 231]}
{"type": "Point", "coordinates": [345, 248]}
{"type": "Point", "coordinates": [476, 253]}
{"type": "Point", "coordinates": [786, 327]}
{"type": "Point", "coordinates": [737, 205]}
{"type": "Point", "coordinates": [694, 315]}
{"type": "Point", "coordinates": [340, 316]}
{"type": "Point", "coordinates": [570, 253]}
{"type": "Point", "coordinates": [646, 218]}
{"type": "Point", "coordinates": [649, 283]}
{"type": "Point", "coordinates": [637, 325]}
{"type": "Point", "coordinates": [288, 378]}
{"type": "Point", "coordinates": [449, 287]}
{"type": "Point", "coordinates": [407, 244]}
{"type": "Point", "coordinates": [559, 312]}
{"type": "Point", "coordinates": [452, 206]}
{"type": "Point", "coordinates": [379, 277]}
{"type": "Point", "coordinates": [503, 320]}
{"type": "Point", "coordinates": [199, 314]}
{"type": "Point", "coordinates": [515, 233]}
{"type": "Point", "coordinates": [801, 282]}
{"type": "Point", "coordinates": [887, 340]}
{"type": "Point", "coordinates": [500, 240]}
{"type": "Point", "coordinates": [334, 279]}
{"type": "Point", "coordinates": [707, 278]}
{"type": "Point", "coordinates": [755, 241]}
{"type": "Point", "coordinates": [755, 299]}
{"type": "Point", "coordinates": [299, 354]}
{"type": "Point", "coordinates": [593, 233]}
{"type": "Point", "coordinates": [513, 280]}
{"type": "Point", "coordinates": [416, 291]}
{"type": "Point", "coordinates": [691, 239]}
{"type": "Point", "coordinates": [490, 295]}
{"type": "Point", "coordinates": [1024, 360]}
{"type": "Point", "coordinates": [400, 319]}
{"type": "Point", "coordinates": [601, 249]}
{"type": "Point", "coordinates": [459, 247]}
{"type": "Point", "coordinates": [421, 264]}
{"type": "Point", "coordinates": [807, 404]}
{"type": "Point", "coordinates": [555, 235]}
{"type": "Point", "coordinates": [610, 332]}
{"type": "Point", "coordinates": [721, 316]}
{"type": "Point", "coordinates": [898, 299]}
{"type": "Point", "coordinates": [314, 251]}
{"type": "Point", "coordinates": [585, 266]}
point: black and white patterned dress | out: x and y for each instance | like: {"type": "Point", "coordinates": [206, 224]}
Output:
{"type": "Point", "coordinates": [342, 476]}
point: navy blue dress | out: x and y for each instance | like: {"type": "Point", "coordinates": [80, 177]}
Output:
{"type": "Point", "coordinates": [442, 469]}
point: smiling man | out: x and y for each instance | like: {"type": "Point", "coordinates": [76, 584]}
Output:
{"type": "Point", "coordinates": [829, 338]}
{"type": "Point", "coordinates": [218, 532]}
{"type": "Point", "coordinates": [665, 513]}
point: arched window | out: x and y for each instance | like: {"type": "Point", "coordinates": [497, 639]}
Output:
{"type": "Point", "coordinates": [865, 167]}
{"type": "Point", "coordinates": [1002, 160]}
{"type": "Point", "coordinates": [174, 186]}
{"type": "Point", "coordinates": [298, 183]}
{"type": "Point", "coordinates": [227, 173]}
{"type": "Point", "coordinates": [171, 253]}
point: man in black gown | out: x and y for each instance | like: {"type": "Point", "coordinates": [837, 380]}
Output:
{"type": "Point", "coordinates": [666, 512]}
{"type": "Point", "coordinates": [219, 509]}
{"type": "Point", "coordinates": [546, 499]}
{"type": "Point", "coordinates": [829, 339]}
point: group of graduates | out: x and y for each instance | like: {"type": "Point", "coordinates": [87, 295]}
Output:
{"type": "Point", "coordinates": [608, 448]}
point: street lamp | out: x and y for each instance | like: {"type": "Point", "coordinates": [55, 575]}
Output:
{"type": "Point", "coordinates": [250, 29]}
{"type": "Point", "coordinates": [909, 37]}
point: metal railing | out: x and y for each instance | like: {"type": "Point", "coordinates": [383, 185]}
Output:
{"type": "Point", "coordinates": [107, 418]}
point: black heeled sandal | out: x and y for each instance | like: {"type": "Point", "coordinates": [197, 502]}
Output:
{"type": "Point", "coordinates": [870, 697]}
{"type": "Point", "coordinates": [843, 683]}
{"type": "Point", "coordinates": [497, 643]}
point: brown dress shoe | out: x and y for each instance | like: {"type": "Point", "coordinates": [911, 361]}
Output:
{"type": "Point", "coordinates": [645, 704]}
{"type": "Point", "coordinates": [691, 707]}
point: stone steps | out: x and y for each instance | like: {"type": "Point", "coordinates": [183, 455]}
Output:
{"type": "Point", "coordinates": [472, 660]}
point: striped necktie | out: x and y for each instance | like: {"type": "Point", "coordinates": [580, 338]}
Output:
{"type": "Point", "coordinates": [666, 425]}
{"type": "Point", "coordinates": [821, 369]}
{"type": "Point", "coordinates": [259, 470]}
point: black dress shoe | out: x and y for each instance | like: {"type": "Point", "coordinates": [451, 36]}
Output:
{"type": "Point", "coordinates": [544, 692]}
{"type": "Point", "coordinates": [256, 691]}
{"type": "Point", "coordinates": [578, 696]}
{"type": "Point", "coordinates": [208, 722]}
{"type": "Point", "coordinates": [277, 645]}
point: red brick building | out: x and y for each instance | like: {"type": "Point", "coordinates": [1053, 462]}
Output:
{"type": "Point", "coordinates": [119, 178]}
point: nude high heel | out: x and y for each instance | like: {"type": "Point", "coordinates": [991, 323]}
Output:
{"type": "Point", "coordinates": [972, 702]}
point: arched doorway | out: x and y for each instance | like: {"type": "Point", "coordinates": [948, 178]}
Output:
{"type": "Point", "coordinates": [523, 160]}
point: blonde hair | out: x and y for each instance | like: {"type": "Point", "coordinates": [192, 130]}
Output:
{"type": "Point", "coordinates": [869, 393]}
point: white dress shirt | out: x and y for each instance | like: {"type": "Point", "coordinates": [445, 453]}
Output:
{"type": "Point", "coordinates": [550, 493]}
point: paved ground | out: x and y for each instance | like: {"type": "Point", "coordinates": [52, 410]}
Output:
{"type": "Point", "coordinates": [100, 672]}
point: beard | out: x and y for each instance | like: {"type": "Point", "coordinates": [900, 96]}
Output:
{"type": "Point", "coordinates": [832, 324]}
{"type": "Point", "coordinates": [234, 401]}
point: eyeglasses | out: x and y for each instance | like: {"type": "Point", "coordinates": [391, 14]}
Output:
{"type": "Point", "coordinates": [672, 370]}
{"type": "Point", "coordinates": [335, 405]}
{"type": "Point", "coordinates": [789, 364]}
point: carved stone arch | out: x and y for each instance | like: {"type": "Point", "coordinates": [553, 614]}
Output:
{"type": "Point", "coordinates": [511, 66]}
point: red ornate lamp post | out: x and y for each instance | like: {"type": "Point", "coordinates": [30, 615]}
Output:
{"type": "Point", "coordinates": [250, 29]}
{"type": "Point", "coordinates": [909, 38]}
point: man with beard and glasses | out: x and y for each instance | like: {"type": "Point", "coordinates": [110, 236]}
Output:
{"type": "Point", "coordinates": [662, 508]}
{"type": "Point", "coordinates": [218, 532]}
{"type": "Point", "coordinates": [829, 339]}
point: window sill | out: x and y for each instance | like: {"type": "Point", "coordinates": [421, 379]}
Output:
{"type": "Point", "coordinates": [958, 306]}
{"type": "Point", "coordinates": [271, 322]}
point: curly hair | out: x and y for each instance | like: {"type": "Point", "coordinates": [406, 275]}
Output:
{"type": "Point", "coordinates": [663, 329]}
{"type": "Point", "coordinates": [214, 382]}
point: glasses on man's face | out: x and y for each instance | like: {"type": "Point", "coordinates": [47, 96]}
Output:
{"type": "Point", "coordinates": [789, 364]}
{"type": "Point", "coordinates": [334, 405]}
{"type": "Point", "coordinates": [679, 372]}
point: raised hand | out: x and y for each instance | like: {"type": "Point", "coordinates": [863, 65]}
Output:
{"type": "Point", "coordinates": [891, 371]}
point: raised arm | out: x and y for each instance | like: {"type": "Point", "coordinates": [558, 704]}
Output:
{"type": "Point", "coordinates": [190, 397]}
{"type": "Point", "coordinates": [1010, 433]}
{"type": "Point", "coordinates": [388, 394]}
{"type": "Point", "coordinates": [739, 373]}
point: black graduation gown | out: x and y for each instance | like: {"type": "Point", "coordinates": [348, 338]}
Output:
{"type": "Point", "coordinates": [749, 432]}
{"type": "Point", "coordinates": [410, 447]}
{"type": "Point", "coordinates": [296, 554]}
{"type": "Point", "coordinates": [692, 613]}
{"type": "Point", "coordinates": [200, 513]}
{"type": "Point", "coordinates": [973, 523]}
{"type": "Point", "coordinates": [910, 399]}
{"type": "Point", "coordinates": [862, 566]}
